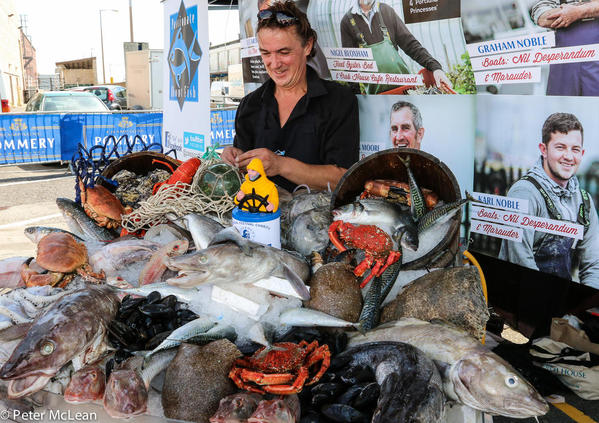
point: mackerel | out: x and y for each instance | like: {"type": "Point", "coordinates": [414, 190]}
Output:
{"type": "Point", "coordinates": [190, 330]}
{"type": "Point", "coordinates": [306, 317]}
{"type": "Point", "coordinates": [417, 204]}
{"type": "Point", "coordinates": [443, 213]}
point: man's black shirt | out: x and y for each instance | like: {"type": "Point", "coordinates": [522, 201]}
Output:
{"type": "Point", "coordinates": [323, 127]}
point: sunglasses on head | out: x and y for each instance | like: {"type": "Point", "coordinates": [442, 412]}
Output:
{"type": "Point", "coordinates": [282, 18]}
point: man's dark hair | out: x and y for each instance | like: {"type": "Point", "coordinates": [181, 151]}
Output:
{"type": "Point", "coordinates": [416, 116]}
{"type": "Point", "coordinates": [562, 123]}
{"type": "Point", "coordinates": [301, 25]}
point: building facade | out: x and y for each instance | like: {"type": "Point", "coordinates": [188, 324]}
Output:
{"type": "Point", "coordinates": [11, 65]}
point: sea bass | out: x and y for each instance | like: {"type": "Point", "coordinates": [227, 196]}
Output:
{"type": "Point", "coordinates": [81, 224]}
{"type": "Point", "coordinates": [391, 218]}
{"type": "Point", "coordinates": [72, 329]}
{"type": "Point", "coordinates": [237, 260]}
{"type": "Point", "coordinates": [410, 384]}
{"type": "Point", "coordinates": [472, 375]}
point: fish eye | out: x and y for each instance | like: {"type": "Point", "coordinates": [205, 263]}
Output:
{"type": "Point", "coordinates": [47, 348]}
{"type": "Point", "coordinates": [203, 259]}
{"type": "Point", "coordinates": [511, 381]}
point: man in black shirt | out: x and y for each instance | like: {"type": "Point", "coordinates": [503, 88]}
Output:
{"type": "Point", "coordinates": [304, 129]}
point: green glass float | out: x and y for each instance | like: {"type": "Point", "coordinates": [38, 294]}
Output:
{"type": "Point", "coordinates": [218, 180]}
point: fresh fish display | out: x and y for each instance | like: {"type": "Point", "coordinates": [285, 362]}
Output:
{"type": "Point", "coordinates": [10, 272]}
{"type": "Point", "coordinates": [279, 410]}
{"type": "Point", "coordinates": [195, 382]}
{"type": "Point", "coordinates": [417, 204]}
{"type": "Point", "coordinates": [305, 317]}
{"type": "Point", "coordinates": [155, 268]}
{"type": "Point", "coordinates": [126, 393]}
{"type": "Point", "coordinates": [410, 384]}
{"type": "Point", "coordinates": [185, 295]}
{"type": "Point", "coordinates": [439, 214]}
{"type": "Point", "coordinates": [228, 263]}
{"type": "Point", "coordinates": [309, 231]}
{"type": "Point", "coordinates": [35, 233]}
{"type": "Point", "coordinates": [472, 375]}
{"type": "Point", "coordinates": [86, 385]}
{"type": "Point", "coordinates": [381, 286]}
{"type": "Point", "coordinates": [116, 255]}
{"type": "Point", "coordinates": [202, 228]}
{"type": "Point", "coordinates": [236, 408]}
{"type": "Point", "coordinates": [72, 329]}
{"type": "Point", "coordinates": [167, 232]}
{"type": "Point", "coordinates": [391, 218]}
{"type": "Point", "coordinates": [301, 203]}
{"type": "Point", "coordinates": [81, 224]}
{"type": "Point", "coordinates": [335, 290]}
{"type": "Point", "coordinates": [188, 331]}
{"type": "Point", "coordinates": [462, 303]}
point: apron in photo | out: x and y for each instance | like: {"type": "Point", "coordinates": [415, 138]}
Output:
{"type": "Point", "coordinates": [384, 54]}
{"type": "Point", "coordinates": [575, 79]}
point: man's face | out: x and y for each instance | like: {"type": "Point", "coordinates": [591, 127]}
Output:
{"type": "Point", "coordinates": [283, 55]}
{"type": "Point", "coordinates": [402, 132]}
{"type": "Point", "coordinates": [562, 156]}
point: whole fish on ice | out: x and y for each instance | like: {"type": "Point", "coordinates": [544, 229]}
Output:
{"type": "Point", "coordinates": [202, 228]}
{"type": "Point", "coordinates": [472, 375]}
{"type": "Point", "coordinates": [81, 224]}
{"type": "Point", "coordinates": [233, 259]}
{"type": "Point", "coordinates": [72, 329]}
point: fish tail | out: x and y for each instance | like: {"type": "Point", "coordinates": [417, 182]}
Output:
{"type": "Point", "coordinates": [470, 198]}
{"type": "Point", "coordinates": [405, 161]}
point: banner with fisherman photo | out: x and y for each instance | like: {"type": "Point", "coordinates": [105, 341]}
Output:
{"type": "Point", "coordinates": [536, 176]}
{"type": "Point", "coordinates": [390, 46]}
{"type": "Point", "coordinates": [539, 47]}
{"type": "Point", "coordinates": [186, 78]}
{"type": "Point", "coordinates": [441, 125]}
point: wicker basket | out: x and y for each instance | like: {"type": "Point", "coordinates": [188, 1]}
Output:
{"type": "Point", "coordinates": [140, 163]}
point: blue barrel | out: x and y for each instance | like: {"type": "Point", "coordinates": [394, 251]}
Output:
{"type": "Point", "coordinates": [264, 228]}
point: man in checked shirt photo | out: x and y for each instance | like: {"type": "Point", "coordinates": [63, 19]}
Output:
{"type": "Point", "coordinates": [575, 23]}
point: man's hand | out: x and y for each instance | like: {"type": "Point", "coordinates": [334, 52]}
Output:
{"type": "Point", "coordinates": [441, 80]}
{"type": "Point", "coordinates": [270, 160]}
{"type": "Point", "coordinates": [564, 16]}
{"type": "Point", "coordinates": [229, 154]}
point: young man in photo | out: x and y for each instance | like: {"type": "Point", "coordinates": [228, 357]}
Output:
{"type": "Point", "coordinates": [553, 192]}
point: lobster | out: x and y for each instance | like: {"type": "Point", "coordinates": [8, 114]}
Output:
{"type": "Point", "coordinates": [184, 172]}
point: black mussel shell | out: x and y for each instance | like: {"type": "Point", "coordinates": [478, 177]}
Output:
{"type": "Point", "coordinates": [153, 297]}
{"type": "Point", "coordinates": [156, 310]}
{"type": "Point", "coordinates": [344, 414]}
{"type": "Point", "coordinates": [349, 395]}
{"type": "Point", "coordinates": [169, 301]}
{"type": "Point", "coordinates": [368, 396]}
{"type": "Point", "coordinates": [331, 390]}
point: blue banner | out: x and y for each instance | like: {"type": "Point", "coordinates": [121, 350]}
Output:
{"type": "Point", "coordinates": [44, 137]}
{"type": "Point", "coordinates": [104, 129]}
{"type": "Point", "coordinates": [222, 127]}
{"type": "Point", "coordinates": [29, 138]}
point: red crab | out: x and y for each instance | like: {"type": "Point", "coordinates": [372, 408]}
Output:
{"type": "Point", "coordinates": [282, 370]}
{"type": "Point", "coordinates": [377, 246]}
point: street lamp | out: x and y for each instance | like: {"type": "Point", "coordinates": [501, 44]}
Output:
{"type": "Point", "coordinates": [102, 43]}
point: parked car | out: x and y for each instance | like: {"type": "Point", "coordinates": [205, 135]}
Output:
{"type": "Point", "coordinates": [65, 101]}
{"type": "Point", "coordinates": [114, 96]}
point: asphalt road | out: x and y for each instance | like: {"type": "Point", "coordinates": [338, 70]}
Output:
{"type": "Point", "coordinates": [28, 197]}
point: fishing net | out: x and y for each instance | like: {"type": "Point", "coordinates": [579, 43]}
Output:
{"type": "Point", "coordinates": [181, 199]}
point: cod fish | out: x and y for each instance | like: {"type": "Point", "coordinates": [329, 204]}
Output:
{"type": "Point", "coordinates": [236, 408]}
{"type": "Point", "coordinates": [126, 392]}
{"type": "Point", "coordinates": [410, 384]}
{"type": "Point", "coordinates": [81, 224]}
{"type": "Point", "coordinates": [234, 259]}
{"type": "Point", "coordinates": [72, 329]}
{"type": "Point", "coordinates": [396, 221]}
{"type": "Point", "coordinates": [472, 375]}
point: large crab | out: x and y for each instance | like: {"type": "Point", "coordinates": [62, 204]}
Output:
{"type": "Point", "coordinates": [283, 369]}
{"type": "Point", "coordinates": [377, 246]}
{"type": "Point", "coordinates": [102, 205]}
{"type": "Point", "coordinates": [62, 256]}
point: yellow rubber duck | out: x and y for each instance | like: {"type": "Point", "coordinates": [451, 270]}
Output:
{"type": "Point", "coordinates": [257, 183]}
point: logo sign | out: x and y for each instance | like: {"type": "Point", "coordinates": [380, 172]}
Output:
{"type": "Point", "coordinates": [18, 125]}
{"type": "Point", "coordinates": [125, 123]}
{"type": "Point", "coordinates": [193, 141]}
{"type": "Point", "coordinates": [184, 55]}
